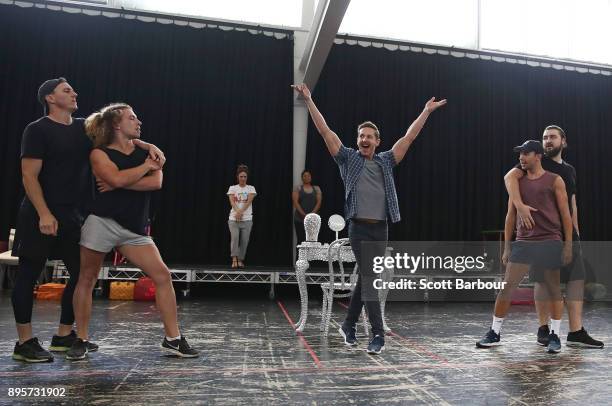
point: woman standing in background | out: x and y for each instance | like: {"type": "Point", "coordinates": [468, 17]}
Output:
{"type": "Point", "coordinates": [241, 215]}
{"type": "Point", "coordinates": [306, 199]}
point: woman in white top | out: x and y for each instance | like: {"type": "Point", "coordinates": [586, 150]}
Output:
{"type": "Point", "coordinates": [241, 215]}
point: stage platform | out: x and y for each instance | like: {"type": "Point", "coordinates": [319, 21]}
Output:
{"type": "Point", "coordinates": [273, 277]}
{"type": "Point", "coordinates": [209, 273]}
{"type": "Point", "coordinates": [252, 356]}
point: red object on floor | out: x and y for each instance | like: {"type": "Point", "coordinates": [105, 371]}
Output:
{"type": "Point", "coordinates": [118, 259]}
{"type": "Point", "coordinates": [144, 291]}
{"type": "Point", "coordinates": [522, 296]}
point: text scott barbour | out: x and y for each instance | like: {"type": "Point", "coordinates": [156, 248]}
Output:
{"type": "Point", "coordinates": [446, 284]}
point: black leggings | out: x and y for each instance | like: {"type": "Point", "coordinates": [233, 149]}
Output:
{"type": "Point", "coordinates": [27, 275]}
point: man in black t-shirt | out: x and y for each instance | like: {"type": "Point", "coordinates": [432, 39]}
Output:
{"type": "Point", "coordinates": [58, 185]}
{"type": "Point", "coordinates": [554, 141]}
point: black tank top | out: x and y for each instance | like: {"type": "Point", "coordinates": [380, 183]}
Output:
{"type": "Point", "coordinates": [129, 208]}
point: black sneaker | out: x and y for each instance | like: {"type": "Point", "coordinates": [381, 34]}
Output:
{"type": "Point", "coordinates": [77, 351]}
{"type": "Point", "coordinates": [91, 347]}
{"type": "Point", "coordinates": [554, 344]}
{"type": "Point", "coordinates": [376, 345]}
{"type": "Point", "coordinates": [179, 348]}
{"type": "Point", "coordinates": [491, 339]}
{"type": "Point", "coordinates": [543, 333]}
{"type": "Point", "coordinates": [348, 335]}
{"type": "Point", "coordinates": [31, 351]}
{"type": "Point", "coordinates": [582, 339]}
{"type": "Point", "coordinates": [63, 343]}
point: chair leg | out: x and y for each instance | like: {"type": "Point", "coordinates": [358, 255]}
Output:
{"type": "Point", "coordinates": [330, 302]}
{"type": "Point", "coordinates": [364, 316]}
{"type": "Point", "coordinates": [323, 311]}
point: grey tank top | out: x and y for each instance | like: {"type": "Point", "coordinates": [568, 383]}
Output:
{"type": "Point", "coordinates": [308, 201]}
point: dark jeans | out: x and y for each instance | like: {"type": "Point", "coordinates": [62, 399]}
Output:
{"type": "Point", "coordinates": [27, 275]}
{"type": "Point", "coordinates": [364, 293]}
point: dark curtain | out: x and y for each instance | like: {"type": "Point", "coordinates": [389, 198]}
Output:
{"type": "Point", "coordinates": [450, 184]}
{"type": "Point", "coordinates": [211, 99]}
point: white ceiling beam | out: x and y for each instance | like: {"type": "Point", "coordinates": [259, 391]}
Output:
{"type": "Point", "coordinates": [325, 25]}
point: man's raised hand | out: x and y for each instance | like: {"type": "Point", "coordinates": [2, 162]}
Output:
{"type": "Point", "coordinates": [433, 105]}
{"type": "Point", "coordinates": [303, 90]}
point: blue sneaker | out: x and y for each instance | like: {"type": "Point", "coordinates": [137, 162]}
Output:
{"type": "Point", "coordinates": [491, 339]}
{"type": "Point", "coordinates": [554, 344]}
{"type": "Point", "coordinates": [376, 345]}
{"type": "Point", "coordinates": [348, 335]}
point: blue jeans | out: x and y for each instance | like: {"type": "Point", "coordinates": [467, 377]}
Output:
{"type": "Point", "coordinates": [358, 233]}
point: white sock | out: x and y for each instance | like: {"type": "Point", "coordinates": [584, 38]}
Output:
{"type": "Point", "coordinates": [497, 324]}
{"type": "Point", "coordinates": [555, 326]}
{"type": "Point", "coordinates": [173, 338]}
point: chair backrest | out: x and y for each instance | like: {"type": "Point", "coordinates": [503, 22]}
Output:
{"type": "Point", "coordinates": [333, 254]}
{"type": "Point", "coordinates": [11, 239]}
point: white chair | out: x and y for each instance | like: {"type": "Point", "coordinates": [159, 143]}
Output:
{"type": "Point", "coordinates": [332, 289]}
{"type": "Point", "coordinates": [6, 259]}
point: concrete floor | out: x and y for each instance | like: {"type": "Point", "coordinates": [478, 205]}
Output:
{"type": "Point", "coordinates": [252, 356]}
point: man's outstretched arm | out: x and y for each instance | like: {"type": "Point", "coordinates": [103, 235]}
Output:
{"type": "Point", "coordinates": [401, 146]}
{"type": "Point", "coordinates": [331, 138]}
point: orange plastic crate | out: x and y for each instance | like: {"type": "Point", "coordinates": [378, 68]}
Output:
{"type": "Point", "coordinates": [50, 291]}
{"type": "Point", "coordinates": [121, 291]}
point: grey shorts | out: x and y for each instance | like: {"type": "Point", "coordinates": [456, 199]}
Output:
{"type": "Point", "coordinates": [103, 234]}
{"type": "Point", "coordinates": [574, 271]}
{"type": "Point", "coordinates": [541, 256]}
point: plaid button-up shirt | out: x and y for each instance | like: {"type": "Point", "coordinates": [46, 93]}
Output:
{"type": "Point", "coordinates": [351, 164]}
